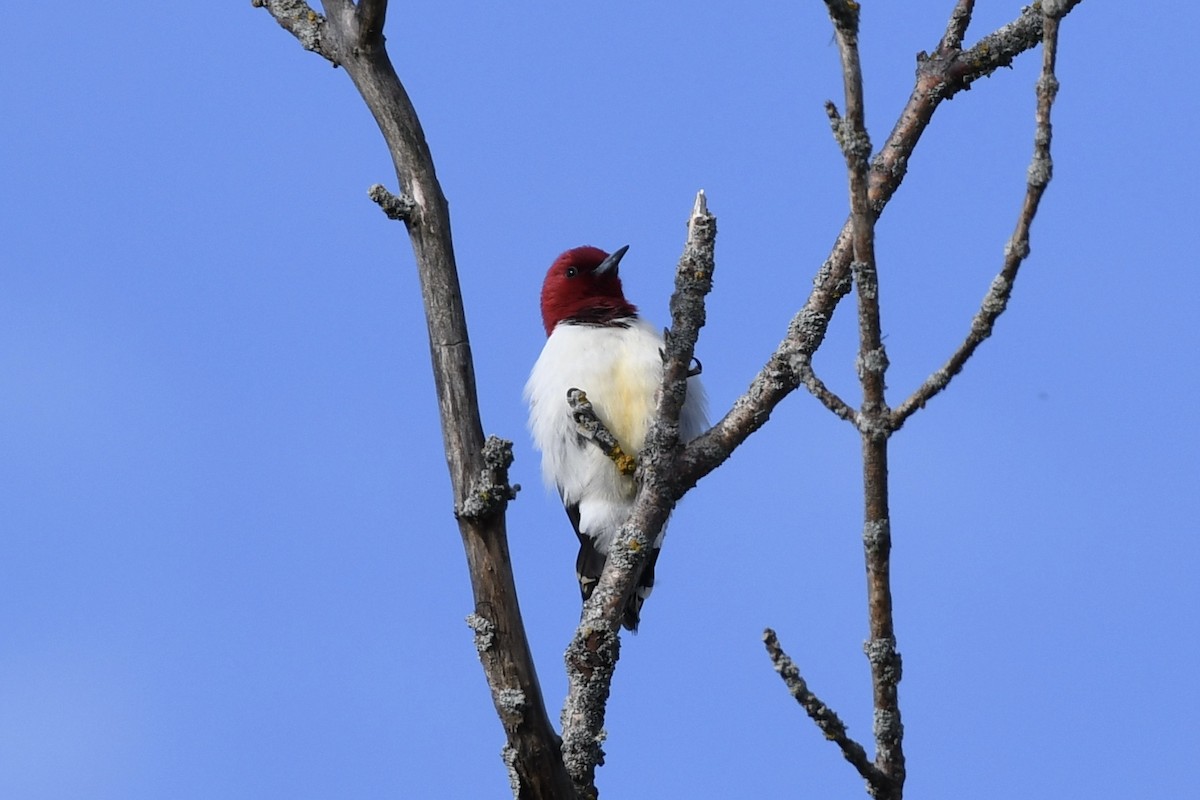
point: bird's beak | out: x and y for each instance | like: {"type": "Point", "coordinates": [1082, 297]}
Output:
{"type": "Point", "coordinates": [610, 263]}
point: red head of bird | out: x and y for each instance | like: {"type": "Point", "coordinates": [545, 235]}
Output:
{"type": "Point", "coordinates": [583, 285]}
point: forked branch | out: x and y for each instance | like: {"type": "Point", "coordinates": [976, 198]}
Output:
{"type": "Point", "coordinates": [939, 77]}
{"type": "Point", "coordinates": [885, 776]}
{"type": "Point", "coordinates": [825, 717]}
{"type": "Point", "coordinates": [1017, 250]}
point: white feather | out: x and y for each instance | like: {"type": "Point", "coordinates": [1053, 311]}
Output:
{"type": "Point", "coordinates": [619, 367]}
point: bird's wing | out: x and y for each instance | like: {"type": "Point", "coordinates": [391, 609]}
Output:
{"type": "Point", "coordinates": [590, 562]}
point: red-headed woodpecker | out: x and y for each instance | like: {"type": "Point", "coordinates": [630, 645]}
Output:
{"type": "Point", "coordinates": [598, 343]}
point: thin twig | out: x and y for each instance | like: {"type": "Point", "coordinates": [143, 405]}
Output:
{"type": "Point", "coordinates": [956, 28]}
{"type": "Point", "coordinates": [1017, 248]}
{"type": "Point", "coordinates": [298, 19]}
{"type": "Point", "coordinates": [825, 717]}
{"type": "Point", "coordinates": [398, 207]}
{"type": "Point", "coordinates": [823, 393]}
{"type": "Point", "coordinates": [490, 493]}
{"type": "Point", "coordinates": [851, 133]}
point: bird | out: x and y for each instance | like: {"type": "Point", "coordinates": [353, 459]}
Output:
{"type": "Point", "coordinates": [597, 342]}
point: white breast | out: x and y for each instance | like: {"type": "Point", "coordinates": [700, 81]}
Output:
{"type": "Point", "coordinates": [620, 369]}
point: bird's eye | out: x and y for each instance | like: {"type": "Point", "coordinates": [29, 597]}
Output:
{"type": "Point", "coordinates": [572, 272]}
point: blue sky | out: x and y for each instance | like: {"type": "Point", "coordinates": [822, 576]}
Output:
{"type": "Point", "coordinates": [229, 565]}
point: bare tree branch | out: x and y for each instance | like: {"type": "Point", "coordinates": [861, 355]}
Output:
{"type": "Point", "coordinates": [592, 654]}
{"type": "Point", "coordinates": [825, 717]}
{"type": "Point", "coordinates": [397, 207]}
{"type": "Point", "coordinates": [873, 418]}
{"type": "Point", "coordinates": [956, 29]}
{"type": "Point", "coordinates": [693, 282]}
{"type": "Point", "coordinates": [822, 392]}
{"type": "Point", "coordinates": [297, 18]}
{"type": "Point", "coordinates": [351, 36]}
{"type": "Point", "coordinates": [371, 15]}
{"type": "Point", "coordinates": [939, 78]}
{"type": "Point", "coordinates": [1017, 249]}
{"type": "Point", "coordinates": [490, 492]}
